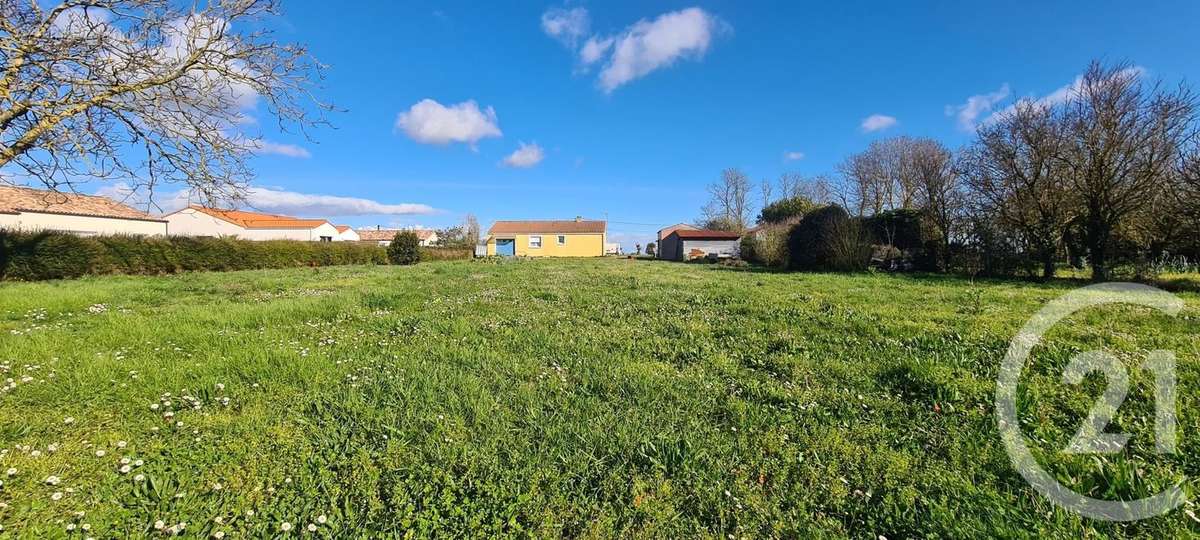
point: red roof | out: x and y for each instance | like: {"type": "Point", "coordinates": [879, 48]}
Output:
{"type": "Point", "coordinates": [22, 199]}
{"type": "Point", "coordinates": [575, 226]}
{"type": "Point", "coordinates": [706, 235]}
{"type": "Point", "coordinates": [342, 228]}
{"type": "Point", "coordinates": [256, 220]}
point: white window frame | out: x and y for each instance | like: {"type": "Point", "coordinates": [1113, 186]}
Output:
{"type": "Point", "coordinates": [562, 239]}
{"type": "Point", "coordinates": [537, 245]}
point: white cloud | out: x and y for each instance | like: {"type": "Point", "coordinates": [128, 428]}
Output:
{"type": "Point", "coordinates": [978, 105]}
{"type": "Point", "coordinates": [877, 122]}
{"type": "Point", "coordinates": [1062, 94]}
{"type": "Point", "coordinates": [640, 48]}
{"type": "Point", "coordinates": [595, 49]}
{"type": "Point", "coordinates": [273, 201]}
{"type": "Point", "coordinates": [566, 25]}
{"type": "Point", "coordinates": [649, 45]}
{"type": "Point", "coordinates": [431, 122]}
{"type": "Point", "coordinates": [280, 149]}
{"type": "Point", "coordinates": [525, 156]}
{"type": "Point", "coordinates": [793, 156]}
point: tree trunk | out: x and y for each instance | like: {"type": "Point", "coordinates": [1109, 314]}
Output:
{"type": "Point", "coordinates": [1097, 243]}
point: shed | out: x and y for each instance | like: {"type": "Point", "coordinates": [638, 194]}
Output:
{"type": "Point", "coordinates": [686, 245]}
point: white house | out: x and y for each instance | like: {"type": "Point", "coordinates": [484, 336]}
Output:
{"type": "Point", "coordinates": [202, 221]}
{"type": "Point", "coordinates": [383, 237]}
{"type": "Point", "coordinates": [347, 234]}
{"type": "Point", "coordinates": [88, 215]}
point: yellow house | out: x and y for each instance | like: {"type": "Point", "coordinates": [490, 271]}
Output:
{"type": "Point", "coordinates": [577, 238]}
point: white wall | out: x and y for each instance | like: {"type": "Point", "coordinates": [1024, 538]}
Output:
{"type": "Point", "coordinates": [349, 236]}
{"type": "Point", "coordinates": [190, 222]}
{"type": "Point", "coordinates": [84, 225]}
{"type": "Point", "coordinates": [308, 235]}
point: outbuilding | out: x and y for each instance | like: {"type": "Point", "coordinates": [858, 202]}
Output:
{"type": "Point", "coordinates": [29, 209]}
{"type": "Point", "coordinates": [687, 244]}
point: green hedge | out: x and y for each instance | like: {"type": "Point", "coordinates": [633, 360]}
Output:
{"type": "Point", "coordinates": [30, 256]}
{"type": "Point", "coordinates": [445, 253]}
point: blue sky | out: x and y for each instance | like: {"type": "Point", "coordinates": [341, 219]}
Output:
{"type": "Point", "coordinates": [635, 136]}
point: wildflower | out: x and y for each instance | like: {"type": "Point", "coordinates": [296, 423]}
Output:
{"type": "Point", "coordinates": [70, 527]}
{"type": "Point", "coordinates": [220, 386]}
{"type": "Point", "coordinates": [125, 469]}
{"type": "Point", "coordinates": [219, 535]}
{"type": "Point", "coordinates": [139, 463]}
{"type": "Point", "coordinates": [35, 453]}
{"type": "Point", "coordinates": [69, 420]}
{"type": "Point", "coordinates": [322, 519]}
{"type": "Point", "coordinates": [121, 444]}
{"type": "Point", "coordinates": [312, 527]}
{"type": "Point", "coordinates": [154, 406]}
{"type": "Point", "coordinates": [86, 526]}
{"type": "Point", "coordinates": [124, 461]}
{"type": "Point", "coordinates": [52, 448]}
{"type": "Point", "coordinates": [11, 471]}
{"type": "Point", "coordinates": [100, 453]}
{"type": "Point", "coordinates": [139, 478]}
{"type": "Point", "coordinates": [57, 495]}
{"type": "Point", "coordinates": [160, 525]}
{"type": "Point", "coordinates": [53, 480]}
{"type": "Point", "coordinates": [285, 526]}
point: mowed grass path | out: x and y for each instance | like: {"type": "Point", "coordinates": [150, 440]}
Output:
{"type": "Point", "coordinates": [580, 398]}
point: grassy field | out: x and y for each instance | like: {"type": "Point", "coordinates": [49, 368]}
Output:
{"type": "Point", "coordinates": [590, 398]}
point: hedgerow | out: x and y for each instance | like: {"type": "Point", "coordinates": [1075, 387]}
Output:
{"type": "Point", "coordinates": [32, 256]}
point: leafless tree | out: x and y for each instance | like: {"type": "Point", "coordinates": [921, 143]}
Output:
{"type": "Point", "coordinates": [729, 200]}
{"type": "Point", "coordinates": [1014, 172]}
{"type": "Point", "coordinates": [471, 229]}
{"type": "Point", "coordinates": [881, 177]}
{"type": "Point", "coordinates": [764, 192]}
{"type": "Point", "coordinates": [1123, 136]}
{"type": "Point", "coordinates": [938, 191]}
{"type": "Point", "coordinates": [145, 91]}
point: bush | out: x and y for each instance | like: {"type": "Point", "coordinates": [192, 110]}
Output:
{"type": "Point", "coordinates": [31, 256]}
{"type": "Point", "coordinates": [768, 246]}
{"type": "Point", "coordinates": [405, 248]}
{"type": "Point", "coordinates": [828, 239]}
{"type": "Point", "coordinates": [446, 253]}
{"type": "Point", "coordinates": [791, 208]}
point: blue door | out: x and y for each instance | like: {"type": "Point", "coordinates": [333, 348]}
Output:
{"type": "Point", "coordinates": [506, 247]}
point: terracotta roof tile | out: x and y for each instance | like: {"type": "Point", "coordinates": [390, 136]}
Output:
{"type": "Point", "coordinates": [707, 235]}
{"type": "Point", "coordinates": [22, 199]}
{"type": "Point", "coordinates": [375, 235]}
{"type": "Point", "coordinates": [548, 227]}
{"type": "Point", "coordinates": [342, 228]}
{"type": "Point", "coordinates": [256, 220]}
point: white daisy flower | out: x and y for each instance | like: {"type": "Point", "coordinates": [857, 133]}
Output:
{"type": "Point", "coordinates": [139, 478]}
{"type": "Point", "coordinates": [322, 519]}
{"type": "Point", "coordinates": [285, 526]}
{"type": "Point", "coordinates": [56, 496]}
{"type": "Point", "coordinates": [100, 453]}
{"type": "Point", "coordinates": [53, 480]}
{"type": "Point", "coordinates": [312, 527]}
{"type": "Point", "coordinates": [160, 525]}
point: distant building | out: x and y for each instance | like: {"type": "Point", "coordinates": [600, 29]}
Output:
{"type": "Point", "coordinates": [567, 238]}
{"type": "Point", "coordinates": [612, 248]}
{"type": "Point", "coordinates": [425, 237]}
{"type": "Point", "coordinates": [346, 234]}
{"type": "Point", "coordinates": [30, 209]}
{"type": "Point", "coordinates": [689, 244]}
{"type": "Point", "coordinates": [662, 234]}
{"type": "Point", "coordinates": [202, 221]}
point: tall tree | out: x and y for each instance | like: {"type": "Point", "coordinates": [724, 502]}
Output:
{"type": "Point", "coordinates": [1014, 173]}
{"type": "Point", "coordinates": [1123, 136]}
{"type": "Point", "coordinates": [729, 200]}
{"type": "Point", "coordinates": [471, 229]}
{"type": "Point", "coordinates": [145, 91]}
{"type": "Point", "coordinates": [881, 178]}
{"type": "Point", "coordinates": [938, 192]}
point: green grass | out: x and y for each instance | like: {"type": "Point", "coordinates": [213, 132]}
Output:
{"type": "Point", "coordinates": [589, 398]}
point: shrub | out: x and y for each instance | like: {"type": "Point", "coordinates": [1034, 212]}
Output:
{"type": "Point", "coordinates": [405, 248]}
{"type": "Point", "coordinates": [828, 239]}
{"type": "Point", "coordinates": [785, 210]}
{"type": "Point", "coordinates": [446, 253]}
{"type": "Point", "coordinates": [31, 256]}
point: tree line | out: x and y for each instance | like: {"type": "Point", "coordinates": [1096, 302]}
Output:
{"type": "Point", "coordinates": [1105, 178]}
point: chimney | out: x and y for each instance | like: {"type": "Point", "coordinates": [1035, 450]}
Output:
{"type": "Point", "coordinates": [377, 227]}
{"type": "Point", "coordinates": [578, 219]}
